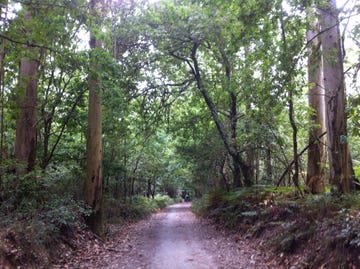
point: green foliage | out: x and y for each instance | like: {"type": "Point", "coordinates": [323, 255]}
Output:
{"type": "Point", "coordinates": [158, 134]}
{"type": "Point", "coordinates": [23, 193]}
{"type": "Point", "coordinates": [134, 209]}
{"type": "Point", "coordinates": [286, 222]}
{"type": "Point", "coordinates": [227, 208]}
{"type": "Point", "coordinates": [317, 207]}
{"type": "Point", "coordinates": [63, 214]}
{"type": "Point", "coordinates": [40, 208]}
{"type": "Point", "coordinates": [55, 218]}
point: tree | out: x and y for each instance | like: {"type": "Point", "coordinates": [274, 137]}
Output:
{"type": "Point", "coordinates": [198, 40]}
{"type": "Point", "coordinates": [61, 90]}
{"type": "Point", "coordinates": [316, 152]}
{"type": "Point", "coordinates": [94, 178]}
{"type": "Point", "coordinates": [25, 142]}
{"type": "Point", "coordinates": [333, 77]}
{"type": "Point", "coordinates": [2, 72]}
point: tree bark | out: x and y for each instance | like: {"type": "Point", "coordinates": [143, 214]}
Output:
{"type": "Point", "coordinates": [291, 114]}
{"type": "Point", "coordinates": [286, 171]}
{"type": "Point", "coordinates": [250, 153]}
{"type": "Point", "coordinates": [294, 138]}
{"type": "Point", "coordinates": [338, 148]}
{"type": "Point", "coordinates": [268, 165]}
{"type": "Point", "coordinates": [2, 101]}
{"type": "Point", "coordinates": [25, 140]}
{"type": "Point", "coordinates": [94, 184]}
{"type": "Point", "coordinates": [316, 152]}
{"type": "Point", "coordinates": [224, 180]}
{"type": "Point", "coordinates": [2, 81]}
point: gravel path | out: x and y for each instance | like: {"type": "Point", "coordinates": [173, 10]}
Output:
{"type": "Point", "coordinates": [175, 238]}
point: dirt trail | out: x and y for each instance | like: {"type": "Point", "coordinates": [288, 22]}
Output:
{"type": "Point", "coordinates": [175, 238]}
{"type": "Point", "coordinates": [178, 242]}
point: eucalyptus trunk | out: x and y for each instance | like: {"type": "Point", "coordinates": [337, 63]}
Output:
{"type": "Point", "coordinates": [2, 101]}
{"type": "Point", "coordinates": [338, 147]}
{"type": "Point", "coordinates": [94, 177]}
{"type": "Point", "coordinates": [25, 140]}
{"type": "Point", "coordinates": [316, 152]}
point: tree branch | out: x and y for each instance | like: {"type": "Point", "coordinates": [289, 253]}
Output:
{"type": "Point", "coordinates": [29, 44]}
{"type": "Point", "coordinates": [293, 161]}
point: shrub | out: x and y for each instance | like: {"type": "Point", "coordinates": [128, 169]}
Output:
{"type": "Point", "coordinates": [161, 201]}
{"type": "Point", "coordinates": [134, 209]}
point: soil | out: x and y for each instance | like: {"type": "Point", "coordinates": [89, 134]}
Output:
{"type": "Point", "coordinates": [173, 238]}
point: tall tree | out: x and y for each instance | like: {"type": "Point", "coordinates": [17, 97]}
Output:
{"type": "Point", "coordinates": [213, 54]}
{"type": "Point", "coordinates": [316, 151]}
{"type": "Point", "coordinates": [94, 177]}
{"type": "Point", "coordinates": [338, 147]}
{"type": "Point", "coordinates": [25, 141]}
{"type": "Point", "coordinates": [2, 72]}
{"type": "Point", "coordinates": [228, 138]}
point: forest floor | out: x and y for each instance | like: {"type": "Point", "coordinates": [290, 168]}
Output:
{"type": "Point", "coordinates": [173, 238]}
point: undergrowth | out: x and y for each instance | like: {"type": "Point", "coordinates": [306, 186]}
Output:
{"type": "Point", "coordinates": [289, 223]}
{"type": "Point", "coordinates": [37, 213]}
{"type": "Point", "coordinates": [136, 208]}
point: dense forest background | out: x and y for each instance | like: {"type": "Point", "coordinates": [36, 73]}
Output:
{"type": "Point", "coordinates": [108, 107]}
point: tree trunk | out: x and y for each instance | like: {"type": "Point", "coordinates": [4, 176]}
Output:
{"type": "Point", "coordinates": [316, 152]}
{"type": "Point", "coordinates": [25, 140]}
{"type": "Point", "coordinates": [250, 152]}
{"type": "Point", "coordinates": [338, 148]}
{"type": "Point", "coordinates": [268, 165]}
{"type": "Point", "coordinates": [153, 190]}
{"type": "Point", "coordinates": [233, 132]}
{"type": "Point", "coordinates": [257, 166]}
{"type": "Point", "coordinates": [2, 88]}
{"type": "Point", "coordinates": [224, 180]}
{"type": "Point", "coordinates": [48, 153]}
{"type": "Point", "coordinates": [94, 184]}
{"type": "Point", "coordinates": [4, 15]}
{"type": "Point", "coordinates": [294, 138]}
{"type": "Point", "coordinates": [286, 67]}
{"type": "Point", "coordinates": [148, 189]}
{"type": "Point", "coordinates": [230, 146]}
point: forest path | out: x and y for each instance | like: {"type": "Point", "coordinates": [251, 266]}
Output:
{"type": "Point", "coordinates": [175, 238]}
{"type": "Point", "coordinates": [178, 242]}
